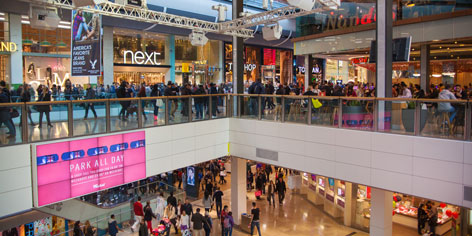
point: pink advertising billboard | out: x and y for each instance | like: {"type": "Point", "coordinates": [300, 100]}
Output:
{"type": "Point", "coordinates": [74, 168]}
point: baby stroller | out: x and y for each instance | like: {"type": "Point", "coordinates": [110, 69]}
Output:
{"type": "Point", "coordinates": [163, 229]}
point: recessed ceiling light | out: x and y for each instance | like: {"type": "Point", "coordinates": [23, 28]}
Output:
{"type": "Point", "coordinates": [440, 47]}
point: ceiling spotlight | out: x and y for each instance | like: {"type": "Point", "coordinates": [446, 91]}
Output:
{"type": "Point", "coordinates": [221, 11]}
{"type": "Point", "coordinates": [265, 4]}
{"type": "Point", "coordinates": [245, 14]}
{"type": "Point", "coordinates": [198, 38]}
{"type": "Point", "coordinates": [333, 4]}
{"type": "Point", "coordinates": [272, 32]}
{"type": "Point", "coordinates": [306, 5]}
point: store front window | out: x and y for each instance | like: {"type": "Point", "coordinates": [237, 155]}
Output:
{"type": "Point", "coordinates": [4, 56]}
{"type": "Point", "coordinates": [45, 41]}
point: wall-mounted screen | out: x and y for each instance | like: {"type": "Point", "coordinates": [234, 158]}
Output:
{"type": "Point", "coordinates": [70, 169]}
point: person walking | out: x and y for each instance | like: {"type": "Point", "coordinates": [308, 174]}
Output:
{"type": "Point", "coordinates": [142, 94]}
{"type": "Point", "coordinates": [88, 230]}
{"type": "Point", "coordinates": [77, 230]}
{"type": "Point", "coordinates": [161, 204]}
{"type": "Point", "coordinates": [44, 109]}
{"type": "Point", "coordinates": [143, 230]}
{"type": "Point", "coordinates": [184, 223]}
{"type": "Point", "coordinates": [217, 198]}
{"type": "Point", "coordinates": [148, 215]}
{"type": "Point", "coordinates": [207, 202]}
{"type": "Point", "coordinates": [25, 96]}
{"type": "Point", "coordinates": [222, 217]}
{"type": "Point", "coordinates": [113, 228]}
{"type": "Point", "coordinates": [5, 117]}
{"type": "Point", "coordinates": [281, 189]}
{"type": "Point", "coordinates": [90, 94]}
{"type": "Point", "coordinates": [207, 224]}
{"type": "Point", "coordinates": [155, 92]}
{"type": "Point", "coordinates": [138, 214]}
{"type": "Point", "coordinates": [187, 207]}
{"type": "Point", "coordinates": [197, 220]}
{"type": "Point", "coordinates": [171, 199]}
{"type": "Point", "coordinates": [255, 212]}
{"type": "Point", "coordinates": [228, 224]}
{"type": "Point", "coordinates": [169, 213]}
{"type": "Point", "coordinates": [271, 193]}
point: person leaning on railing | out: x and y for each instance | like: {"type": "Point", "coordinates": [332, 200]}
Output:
{"type": "Point", "coordinates": [90, 94]}
{"type": "Point", "coordinates": [25, 96]}
{"type": "Point", "coordinates": [5, 117]}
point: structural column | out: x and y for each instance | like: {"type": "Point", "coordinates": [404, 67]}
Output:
{"type": "Point", "coordinates": [16, 57]}
{"type": "Point", "coordinates": [170, 58]}
{"type": "Point", "coordinates": [238, 44]}
{"type": "Point", "coordinates": [221, 62]}
{"type": "Point", "coordinates": [350, 200]}
{"type": "Point", "coordinates": [238, 189]}
{"type": "Point", "coordinates": [308, 70]}
{"type": "Point", "coordinates": [108, 69]}
{"type": "Point", "coordinates": [424, 70]}
{"type": "Point", "coordinates": [381, 209]}
{"type": "Point", "coordinates": [384, 34]}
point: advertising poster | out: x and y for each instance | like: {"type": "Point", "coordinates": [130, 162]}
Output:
{"type": "Point", "coordinates": [75, 168]}
{"type": "Point", "coordinates": [86, 44]}
{"type": "Point", "coordinates": [191, 175]}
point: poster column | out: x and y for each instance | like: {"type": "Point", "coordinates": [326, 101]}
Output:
{"type": "Point", "coordinates": [108, 55]}
{"type": "Point", "coordinates": [170, 58]}
{"type": "Point", "coordinates": [381, 212]}
{"type": "Point", "coordinates": [16, 57]}
{"type": "Point", "coordinates": [308, 71]}
{"type": "Point", "coordinates": [238, 189]}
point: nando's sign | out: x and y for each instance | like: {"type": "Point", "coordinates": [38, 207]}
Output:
{"type": "Point", "coordinates": [339, 21]}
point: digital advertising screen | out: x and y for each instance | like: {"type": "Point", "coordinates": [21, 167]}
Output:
{"type": "Point", "coordinates": [70, 169]}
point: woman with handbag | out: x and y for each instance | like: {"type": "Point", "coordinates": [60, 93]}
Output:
{"type": "Point", "coordinates": [44, 109]}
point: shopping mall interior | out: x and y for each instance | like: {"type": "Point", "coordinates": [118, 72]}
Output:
{"type": "Point", "coordinates": [235, 117]}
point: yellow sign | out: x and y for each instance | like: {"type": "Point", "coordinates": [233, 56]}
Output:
{"type": "Point", "coordinates": [8, 47]}
{"type": "Point", "coordinates": [185, 68]}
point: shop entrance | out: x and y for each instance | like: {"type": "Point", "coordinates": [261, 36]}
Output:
{"type": "Point", "coordinates": [140, 74]}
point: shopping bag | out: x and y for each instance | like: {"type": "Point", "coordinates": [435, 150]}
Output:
{"type": "Point", "coordinates": [316, 103]}
{"type": "Point", "coordinates": [258, 193]}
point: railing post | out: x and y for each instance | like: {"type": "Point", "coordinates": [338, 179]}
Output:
{"type": "Point", "coordinates": [210, 107]}
{"type": "Point", "coordinates": [340, 113]}
{"type": "Point", "coordinates": [108, 116]}
{"type": "Point", "coordinates": [309, 106]}
{"type": "Point", "coordinates": [167, 111]}
{"type": "Point", "coordinates": [140, 113]}
{"type": "Point", "coordinates": [259, 107]}
{"type": "Point", "coordinates": [190, 116]}
{"type": "Point", "coordinates": [468, 121]}
{"type": "Point", "coordinates": [229, 106]}
{"type": "Point", "coordinates": [24, 123]}
{"type": "Point", "coordinates": [238, 104]}
{"type": "Point", "coordinates": [417, 119]}
{"type": "Point", "coordinates": [70, 118]}
{"type": "Point", "coordinates": [376, 115]}
{"type": "Point", "coordinates": [282, 111]}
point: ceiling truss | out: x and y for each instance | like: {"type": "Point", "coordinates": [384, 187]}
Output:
{"type": "Point", "coordinates": [238, 27]}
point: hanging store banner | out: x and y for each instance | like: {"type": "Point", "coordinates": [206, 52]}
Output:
{"type": "Point", "coordinates": [70, 169]}
{"type": "Point", "coordinates": [86, 44]}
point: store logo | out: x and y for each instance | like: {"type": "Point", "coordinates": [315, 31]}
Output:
{"type": "Point", "coordinates": [8, 47]}
{"type": "Point", "coordinates": [340, 21]}
{"type": "Point", "coordinates": [140, 57]}
{"type": "Point", "coordinates": [247, 67]}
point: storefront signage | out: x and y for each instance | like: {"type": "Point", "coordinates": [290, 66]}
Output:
{"type": "Point", "coordinates": [86, 44]}
{"type": "Point", "coordinates": [330, 197]}
{"type": "Point", "coordinates": [340, 203]}
{"type": "Point", "coordinates": [321, 191]}
{"type": "Point", "coordinates": [361, 60]}
{"type": "Point", "coordinates": [140, 57]}
{"type": "Point", "coordinates": [85, 166]}
{"type": "Point", "coordinates": [314, 70]}
{"type": "Point", "coordinates": [247, 67]}
{"type": "Point", "coordinates": [8, 47]}
{"type": "Point", "coordinates": [339, 21]}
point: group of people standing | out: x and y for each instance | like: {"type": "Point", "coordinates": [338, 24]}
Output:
{"type": "Point", "coordinates": [427, 218]}
{"type": "Point", "coordinates": [263, 181]}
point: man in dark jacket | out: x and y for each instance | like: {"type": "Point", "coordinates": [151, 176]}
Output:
{"type": "Point", "coordinates": [187, 207]}
{"type": "Point", "coordinates": [281, 188]}
{"type": "Point", "coordinates": [90, 94]}
{"type": "Point", "coordinates": [148, 215]}
{"type": "Point", "coordinates": [186, 91]}
{"type": "Point", "coordinates": [5, 117]}
{"type": "Point", "coordinates": [214, 100]}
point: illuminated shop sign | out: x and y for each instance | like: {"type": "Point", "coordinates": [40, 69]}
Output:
{"type": "Point", "coordinates": [315, 70]}
{"type": "Point", "coordinates": [75, 168]}
{"type": "Point", "coordinates": [8, 47]}
{"type": "Point", "coordinates": [339, 21]}
{"type": "Point", "coordinates": [247, 67]}
{"type": "Point", "coordinates": [140, 57]}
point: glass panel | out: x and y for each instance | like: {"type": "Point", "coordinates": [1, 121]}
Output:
{"type": "Point", "coordinates": [358, 114]}
{"type": "Point", "coordinates": [397, 117]}
{"type": "Point", "coordinates": [178, 110]}
{"type": "Point", "coordinates": [200, 108]}
{"type": "Point", "coordinates": [56, 126]}
{"type": "Point", "coordinates": [249, 107]}
{"type": "Point", "coordinates": [123, 115]}
{"type": "Point", "coordinates": [443, 120]}
{"type": "Point", "coordinates": [220, 105]}
{"type": "Point", "coordinates": [155, 112]}
{"type": "Point", "coordinates": [10, 133]}
{"type": "Point", "coordinates": [295, 110]}
{"type": "Point", "coordinates": [324, 115]}
{"type": "Point", "coordinates": [89, 118]}
{"type": "Point", "coordinates": [272, 108]}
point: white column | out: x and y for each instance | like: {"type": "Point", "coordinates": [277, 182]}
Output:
{"type": "Point", "coordinates": [221, 61]}
{"type": "Point", "coordinates": [350, 203]}
{"type": "Point", "coordinates": [107, 55]}
{"type": "Point", "coordinates": [238, 188]}
{"type": "Point", "coordinates": [16, 57]}
{"type": "Point", "coordinates": [381, 212]}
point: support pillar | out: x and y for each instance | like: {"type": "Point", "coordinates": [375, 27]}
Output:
{"type": "Point", "coordinates": [238, 45]}
{"type": "Point", "coordinates": [424, 67]}
{"type": "Point", "coordinates": [16, 57]}
{"type": "Point", "coordinates": [381, 212]}
{"type": "Point", "coordinates": [308, 70]}
{"type": "Point", "coordinates": [238, 189]}
{"type": "Point", "coordinates": [108, 68]}
{"type": "Point", "coordinates": [384, 32]}
{"type": "Point", "coordinates": [170, 58]}
{"type": "Point", "coordinates": [350, 200]}
{"type": "Point", "coordinates": [221, 62]}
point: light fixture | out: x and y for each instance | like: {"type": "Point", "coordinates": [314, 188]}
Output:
{"type": "Point", "coordinates": [436, 75]}
{"type": "Point", "coordinates": [333, 4]}
{"type": "Point", "coordinates": [272, 32]}
{"type": "Point", "coordinates": [61, 45]}
{"type": "Point", "coordinates": [45, 44]}
{"type": "Point", "coordinates": [306, 5]}
{"type": "Point", "coordinates": [245, 14]}
{"type": "Point", "coordinates": [416, 74]}
{"type": "Point", "coordinates": [410, 4]}
{"type": "Point", "coordinates": [221, 11]}
{"type": "Point", "coordinates": [27, 42]}
{"type": "Point", "coordinates": [440, 47]}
